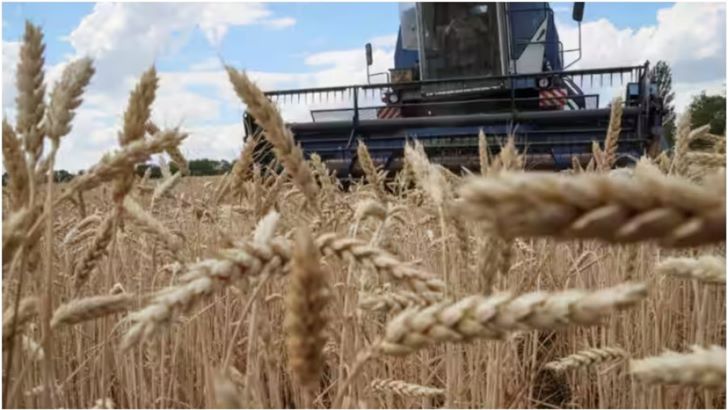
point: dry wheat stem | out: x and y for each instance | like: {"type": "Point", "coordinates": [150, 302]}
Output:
{"type": "Point", "coordinates": [493, 317]}
{"type": "Point", "coordinates": [655, 207]}
{"type": "Point", "coordinates": [702, 367]}
{"type": "Point", "coordinates": [587, 358]}
{"type": "Point", "coordinates": [706, 268]}
{"type": "Point", "coordinates": [402, 388]}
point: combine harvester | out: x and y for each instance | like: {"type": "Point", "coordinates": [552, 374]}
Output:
{"type": "Point", "coordinates": [463, 67]}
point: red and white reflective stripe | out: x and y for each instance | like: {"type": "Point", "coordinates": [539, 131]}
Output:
{"type": "Point", "coordinates": [552, 97]}
{"type": "Point", "coordinates": [389, 112]}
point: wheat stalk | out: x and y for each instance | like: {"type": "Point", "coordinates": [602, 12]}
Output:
{"type": "Point", "coordinates": [652, 206]}
{"type": "Point", "coordinates": [706, 268]}
{"type": "Point", "coordinates": [493, 317]}
{"type": "Point", "coordinates": [702, 367]}
{"type": "Point", "coordinates": [279, 136]}
{"type": "Point", "coordinates": [587, 358]}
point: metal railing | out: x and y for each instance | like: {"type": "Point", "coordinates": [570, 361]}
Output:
{"type": "Point", "coordinates": [354, 93]}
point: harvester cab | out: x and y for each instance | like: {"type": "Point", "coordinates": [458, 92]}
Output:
{"type": "Point", "coordinates": [464, 67]}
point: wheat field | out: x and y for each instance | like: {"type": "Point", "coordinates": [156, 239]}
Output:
{"type": "Point", "coordinates": [274, 287]}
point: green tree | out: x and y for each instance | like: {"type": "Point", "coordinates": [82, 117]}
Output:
{"type": "Point", "coordinates": [662, 76]}
{"type": "Point", "coordinates": [708, 109]}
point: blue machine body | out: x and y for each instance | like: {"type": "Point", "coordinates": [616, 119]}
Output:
{"type": "Point", "coordinates": [464, 67]}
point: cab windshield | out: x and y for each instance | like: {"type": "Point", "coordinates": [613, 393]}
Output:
{"type": "Point", "coordinates": [458, 40]}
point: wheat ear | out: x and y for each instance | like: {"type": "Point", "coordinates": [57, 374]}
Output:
{"type": "Point", "coordinates": [612, 138]}
{"type": "Point", "coordinates": [203, 279]}
{"type": "Point", "coordinates": [66, 97]}
{"type": "Point", "coordinates": [394, 301]}
{"type": "Point", "coordinates": [136, 116]}
{"type": "Point", "coordinates": [483, 153]}
{"type": "Point", "coordinates": [706, 268]}
{"type": "Point", "coordinates": [652, 206]}
{"type": "Point", "coordinates": [360, 252]}
{"type": "Point", "coordinates": [702, 367]}
{"type": "Point", "coordinates": [370, 170]}
{"type": "Point", "coordinates": [402, 388]}
{"type": "Point", "coordinates": [96, 251]}
{"type": "Point", "coordinates": [91, 308]}
{"type": "Point", "coordinates": [15, 232]}
{"type": "Point", "coordinates": [135, 211]}
{"type": "Point", "coordinates": [587, 358]}
{"type": "Point", "coordinates": [493, 317]}
{"type": "Point", "coordinates": [116, 164]}
{"type": "Point", "coordinates": [306, 317]}
{"type": "Point", "coordinates": [13, 321]}
{"type": "Point", "coordinates": [243, 166]}
{"type": "Point", "coordinates": [165, 187]}
{"type": "Point", "coordinates": [15, 166]}
{"type": "Point", "coordinates": [31, 91]}
{"type": "Point", "coordinates": [276, 132]}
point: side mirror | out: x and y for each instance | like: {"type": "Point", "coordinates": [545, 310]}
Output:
{"type": "Point", "coordinates": [578, 12]}
{"type": "Point", "coordinates": [368, 48]}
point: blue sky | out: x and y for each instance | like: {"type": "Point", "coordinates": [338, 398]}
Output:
{"type": "Point", "coordinates": [286, 45]}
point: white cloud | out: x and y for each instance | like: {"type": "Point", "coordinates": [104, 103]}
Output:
{"type": "Point", "coordinates": [691, 37]}
{"type": "Point", "coordinates": [280, 22]}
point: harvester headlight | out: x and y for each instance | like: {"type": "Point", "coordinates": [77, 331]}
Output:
{"type": "Point", "coordinates": [393, 98]}
{"type": "Point", "coordinates": [544, 82]}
